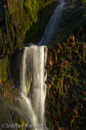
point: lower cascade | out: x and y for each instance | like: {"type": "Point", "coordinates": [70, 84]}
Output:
{"type": "Point", "coordinates": [33, 87]}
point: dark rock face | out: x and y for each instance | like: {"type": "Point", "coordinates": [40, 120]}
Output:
{"type": "Point", "coordinates": [2, 14]}
{"type": "Point", "coordinates": [71, 5]}
{"type": "Point", "coordinates": [73, 12]}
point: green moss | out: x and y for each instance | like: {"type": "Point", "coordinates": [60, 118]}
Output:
{"type": "Point", "coordinates": [4, 69]}
{"type": "Point", "coordinates": [20, 17]}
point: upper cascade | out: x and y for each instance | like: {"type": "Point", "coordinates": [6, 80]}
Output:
{"type": "Point", "coordinates": [52, 26]}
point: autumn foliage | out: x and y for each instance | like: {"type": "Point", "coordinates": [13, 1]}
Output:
{"type": "Point", "coordinates": [66, 92]}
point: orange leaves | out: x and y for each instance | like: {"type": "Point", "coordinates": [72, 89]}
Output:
{"type": "Point", "coordinates": [84, 46]}
{"type": "Point", "coordinates": [77, 115]}
{"type": "Point", "coordinates": [77, 51]}
{"type": "Point", "coordinates": [54, 93]}
{"type": "Point", "coordinates": [4, 94]}
{"type": "Point", "coordinates": [49, 86]}
{"type": "Point", "coordinates": [56, 122]}
{"type": "Point", "coordinates": [73, 43]}
{"type": "Point", "coordinates": [84, 55]}
{"type": "Point", "coordinates": [68, 48]}
{"type": "Point", "coordinates": [59, 46]}
{"type": "Point", "coordinates": [0, 81]}
{"type": "Point", "coordinates": [75, 109]}
{"type": "Point", "coordinates": [5, 6]}
{"type": "Point", "coordinates": [51, 83]}
{"type": "Point", "coordinates": [73, 37]}
{"type": "Point", "coordinates": [81, 106]}
{"type": "Point", "coordinates": [59, 128]}
{"type": "Point", "coordinates": [23, 124]}
{"type": "Point", "coordinates": [30, 2]}
{"type": "Point", "coordinates": [70, 81]}
{"type": "Point", "coordinates": [13, 33]}
{"type": "Point", "coordinates": [84, 93]}
{"type": "Point", "coordinates": [50, 62]}
{"type": "Point", "coordinates": [77, 74]}
{"type": "Point", "coordinates": [83, 82]}
{"type": "Point", "coordinates": [64, 63]}
{"type": "Point", "coordinates": [55, 52]}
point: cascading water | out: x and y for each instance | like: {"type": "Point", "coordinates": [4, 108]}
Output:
{"type": "Point", "coordinates": [33, 74]}
{"type": "Point", "coordinates": [33, 87]}
{"type": "Point", "coordinates": [52, 26]}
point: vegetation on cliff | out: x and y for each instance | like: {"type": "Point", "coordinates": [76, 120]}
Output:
{"type": "Point", "coordinates": [25, 22]}
{"type": "Point", "coordinates": [66, 94]}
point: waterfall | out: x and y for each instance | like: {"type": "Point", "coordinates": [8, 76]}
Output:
{"type": "Point", "coordinates": [33, 74]}
{"type": "Point", "coordinates": [52, 26]}
{"type": "Point", "coordinates": [33, 87]}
